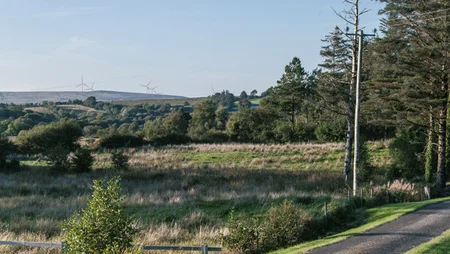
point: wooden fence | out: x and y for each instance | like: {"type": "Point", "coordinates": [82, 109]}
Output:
{"type": "Point", "coordinates": [204, 248]}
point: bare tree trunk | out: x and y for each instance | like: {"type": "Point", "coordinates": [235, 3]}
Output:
{"type": "Point", "coordinates": [348, 145]}
{"type": "Point", "coordinates": [351, 94]}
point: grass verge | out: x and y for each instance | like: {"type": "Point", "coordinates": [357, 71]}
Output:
{"type": "Point", "coordinates": [375, 217]}
{"type": "Point", "coordinates": [440, 244]}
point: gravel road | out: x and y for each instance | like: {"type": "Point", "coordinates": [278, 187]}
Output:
{"type": "Point", "coordinates": [397, 236]}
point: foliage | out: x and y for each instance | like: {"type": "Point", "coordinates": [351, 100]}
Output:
{"type": "Point", "coordinates": [39, 139]}
{"type": "Point", "coordinates": [283, 226]}
{"type": "Point", "coordinates": [203, 120]}
{"type": "Point", "coordinates": [405, 150]}
{"type": "Point", "coordinates": [366, 169]}
{"type": "Point", "coordinates": [243, 235]}
{"type": "Point", "coordinates": [224, 99]}
{"type": "Point", "coordinates": [4, 150]}
{"type": "Point", "coordinates": [331, 131]}
{"type": "Point", "coordinates": [119, 160]}
{"type": "Point", "coordinates": [251, 125]}
{"type": "Point", "coordinates": [103, 224]}
{"type": "Point", "coordinates": [58, 155]}
{"type": "Point", "coordinates": [293, 91]}
{"type": "Point", "coordinates": [169, 130]}
{"type": "Point", "coordinates": [82, 161]}
{"type": "Point", "coordinates": [116, 140]}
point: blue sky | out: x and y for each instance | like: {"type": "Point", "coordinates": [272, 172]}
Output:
{"type": "Point", "coordinates": [187, 47]}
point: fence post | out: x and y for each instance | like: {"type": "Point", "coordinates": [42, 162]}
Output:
{"type": "Point", "coordinates": [371, 192]}
{"type": "Point", "coordinates": [204, 249]}
{"type": "Point", "coordinates": [326, 213]}
{"type": "Point", "coordinates": [63, 247]}
{"type": "Point", "coordinates": [348, 194]}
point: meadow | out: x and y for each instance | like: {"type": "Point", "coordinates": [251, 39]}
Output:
{"type": "Point", "coordinates": [180, 194]}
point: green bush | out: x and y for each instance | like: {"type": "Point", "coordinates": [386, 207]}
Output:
{"type": "Point", "coordinates": [103, 225]}
{"type": "Point", "coordinates": [243, 235]}
{"type": "Point", "coordinates": [7, 165]}
{"type": "Point", "coordinates": [43, 137]}
{"type": "Point", "coordinates": [4, 150]}
{"type": "Point", "coordinates": [283, 226]}
{"type": "Point", "coordinates": [116, 141]}
{"type": "Point", "coordinates": [58, 155]}
{"type": "Point", "coordinates": [119, 160]}
{"type": "Point", "coordinates": [82, 161]}
{"type": "Point", "coordinates": [406, 152]}
{"type": "Point", "coordinates": [366, 169]}
{"type": "Point", "coordinates": [331, 132]}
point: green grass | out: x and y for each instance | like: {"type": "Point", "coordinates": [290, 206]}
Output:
{"type": "Point", "coordinates": [375, 217]}
{"type": "Point", "coordinates": [438, 245]}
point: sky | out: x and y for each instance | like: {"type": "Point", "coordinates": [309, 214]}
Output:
{"type": "Point", "coordinates": [185, 47]}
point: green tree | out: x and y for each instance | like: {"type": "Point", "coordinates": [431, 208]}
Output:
{"type": "Point", "coordinates": [90, 101]}
{"type": "Point", "coordinates": [221, 118]}
{"type": "Point", "coordinates": [42, 137]}
{"type": "Point", "coordinates": [335, 86]}
{"type": "Point", "coordinates": [294, 91]}
{"type": "Point", "coordinates": [203, 120]}
{"type": "Point", "coordinates": [415, 47]}
{"type": "Point", "coordinates": [103, 224]}
{"type": "Point", "coordinates": [243, 96]}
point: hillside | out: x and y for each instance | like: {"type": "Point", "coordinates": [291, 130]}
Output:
{"type": "Point", "coordinates": [39, 96]}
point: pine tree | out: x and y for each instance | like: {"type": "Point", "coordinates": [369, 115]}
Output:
{"type": "Point", "coordinates": [416, 46]}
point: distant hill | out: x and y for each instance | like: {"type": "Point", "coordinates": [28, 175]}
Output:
{"type": "Point", "coordinates": [37, 97]}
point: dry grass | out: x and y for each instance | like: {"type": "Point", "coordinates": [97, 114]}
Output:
{"type": "Point", "coordinates": [78, 108]}
{"type": "Point", "coordinates": [42, 110]}
{"type": "Point", "coordinates": [176, 197]}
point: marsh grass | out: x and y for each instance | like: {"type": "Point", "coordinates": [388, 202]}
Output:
{"type": "Point", "coordinates": [176, 195]}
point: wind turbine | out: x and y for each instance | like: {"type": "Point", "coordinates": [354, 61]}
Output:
{"type": "Point", "coordinates": [82, 84]}
{"type": "Point", "coordinates": [91, 88]}
{"type": "Point", "coordinates": [147, 87]}
{"type": "Point", "coordinates": [152, 89]}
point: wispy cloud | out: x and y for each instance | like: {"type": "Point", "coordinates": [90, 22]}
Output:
{"type": "Point", "coordinates": [69, 12]}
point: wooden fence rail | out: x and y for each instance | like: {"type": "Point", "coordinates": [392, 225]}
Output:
{"type": "Point", "coordinates": [204, 248]}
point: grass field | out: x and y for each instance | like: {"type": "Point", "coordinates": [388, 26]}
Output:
{"type": "Point", "coordinates": [179, 194]}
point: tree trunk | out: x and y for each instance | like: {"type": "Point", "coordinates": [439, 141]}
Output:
{"type": "Point", "coordinates": [429, 154]}
{"type": "Point", "coordinates": [442, 134]}
{"type": "Point", "coordinates": [348, 145]}
{"type": "Point", "coordinates": [351, 95]}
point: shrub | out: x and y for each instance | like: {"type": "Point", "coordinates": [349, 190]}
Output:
{"type": "Point", "coordinates": [43, 137]}
{"type": "Point", "coordinates": [119, 160]}
{"type": "Point", "coordinates": [82, 161]}
{"type": "Point", "coordinates": [366, 169]}
{"type": "Point", "coordinates": [283, 226]}
{"type": "Point", "coordinates": [116, 141]}
{"type": "Point", "coordinates": [405, 150]}
{"type": "Point", "coordinates": [4, 150]}
{"type": "Point", "coordinates": [331, 132]}
{"type": "Point", "coordinates": [58, 155]}
{"type": "Point", "coordinates": [243, 235]}
{"type": "Point", "coordinates": [103, 225]}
